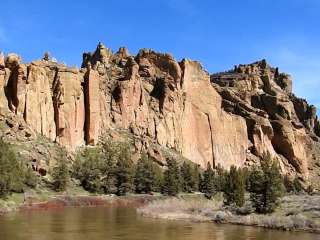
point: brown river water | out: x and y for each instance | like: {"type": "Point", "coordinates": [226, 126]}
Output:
{"type": "Point", "coordinates": [111, 223]}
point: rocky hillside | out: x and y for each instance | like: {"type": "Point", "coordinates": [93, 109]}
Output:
{"type": "Point", "coordinates": [229, 118]}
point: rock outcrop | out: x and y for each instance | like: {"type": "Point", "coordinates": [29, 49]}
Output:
{"type": "Point", "coordinates": [278, 122]}
{"type": "Point", "coordinates": [229, 118]}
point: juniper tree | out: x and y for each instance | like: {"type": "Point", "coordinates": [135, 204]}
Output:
{"type": "Point", "coordinates": [196, 176]}
{"type": "Point", "coordinates": [188, 180]}
{"type": "Point", "coordinates": [145, 175]}
{"type": "Point", "coordinates": [208, 186]}
{"type": "Point", "coordinates": [266, 186]}
{"type": "Point", "coordinates": [158, 178]}
{"type": "Point", "coordinates": [220, 178]}
{"type": "Point", "coordinates": [96, 167]}
{"type": "Point", "coordinates": [234, 191]}
{"type": "Point", "coordinates": [90, 169]}
{"type": "Point", "coordinates": [60, 173]}
{"type": "Point", "coordinates": [11, 170]}
{"type": "Point", "coordinates": [124, 171]}
{"type": "Point", "coordinates": [171, 178]}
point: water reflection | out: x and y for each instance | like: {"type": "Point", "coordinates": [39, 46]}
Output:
{"type": "Point", "coordinates": [125, 224]}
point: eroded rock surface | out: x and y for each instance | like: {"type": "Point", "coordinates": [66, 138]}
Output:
{"type": "Point", "coordinates": [278, 122]}
{"type": "Point", "coordinates": [229, 118]}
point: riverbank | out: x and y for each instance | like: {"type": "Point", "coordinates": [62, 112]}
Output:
{"type": "Point", "coordinates": [47, 200]}
{"type": "Point", "coordinates": [296, 212]}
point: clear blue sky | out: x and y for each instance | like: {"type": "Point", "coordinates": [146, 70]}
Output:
{"type": "Point", "coordinates": [219, 34]}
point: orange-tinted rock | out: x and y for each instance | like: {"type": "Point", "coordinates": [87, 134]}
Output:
{"type": "Point", "coordinates": [68, 100]}
{"type": "Point", "coordinates": [39, 112]}
{"type": "Point", "coordinates": [230, 118]}
{"type": "Point", "coordinates": [2, 62]}
{"type": "Point", "coordinates": [278, 122]}
{"type": "Point", "coordinates": [17, 85]}
{"type": "Point", "coordinates": [4, 76]}
{"type": "Point", "coordinates": [209, 134]}
{"type": "Point", "coordinates": [92, 107]}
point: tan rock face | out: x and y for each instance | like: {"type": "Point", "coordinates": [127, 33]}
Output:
{"type": "Point", "coordinates": [230, 118]}
{"type": "Point", "coordinates": [68, 100]}
{"type": "Point", "coordinates": [39, 112]}
{"type": "Point", "coordinates": [17, 85]}
{"type": "Point", "coordinates": [4, 76]}
{"type": "Point", "coordinates": [92, 106]}
{"type": "Point", "coordinates": [209, 134]}
{"type": "Point", "coordinates": [278, 122]}
{"type": "Point", "coordinates": [2, 62]}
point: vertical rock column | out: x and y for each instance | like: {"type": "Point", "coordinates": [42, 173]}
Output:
{"type": "Point", "coordinates": [69, 108]}
{"type": "Point", "coordinates": [92, 107]}
{"type": "Point", "coordinates": [4, 75]}
{"type": "Point", "coordinates": [17, 83]}
{"type": "Point", "coordinates": [39, 113]}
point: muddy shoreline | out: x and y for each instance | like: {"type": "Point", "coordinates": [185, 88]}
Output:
{"type": "Point", "coordinates": [63, 201]}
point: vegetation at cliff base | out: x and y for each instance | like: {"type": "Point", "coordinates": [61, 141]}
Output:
{"type": "Point", "coordinates": [60, 173]}
{"type": "Point", "coordinates": [171, 178]}
{"type": "Point", "coordinates": [234, 191]}
{"type": "Point", "coordinates": [124, 171]}
{"type": "Point", "coordinates": [112, 168]}
{"type": "Point", "coordinates": [15, 176]}
{"type": "Point", "coordinates": [266, 186]}
{"type": "Point", "coordinates": [208, 184]}
{"type": "Point", "coordinates": [148, 176]}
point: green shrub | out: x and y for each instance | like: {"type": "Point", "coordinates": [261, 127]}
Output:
{"type": "Point", "coordinates": [60, 173]}
{"type": "Point", "coordinates": [91, 170]}
{"type": "Point", "coordinates": [11, 171]}
{"type": "Point", "coordinates": [147, 176]}
{"type": "Point", "coordinates": [30, 177]}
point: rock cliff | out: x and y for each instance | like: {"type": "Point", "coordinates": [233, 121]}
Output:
{"type": "Point", "coordinates": [229, 118]}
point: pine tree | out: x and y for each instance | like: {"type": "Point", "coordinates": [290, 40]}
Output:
{"type": "Point", "coordinates": [196, 176]}
{"type": "Point", "coordinates": [208, 186]}
{"type": "Point", "coordinates": [220, 178]}
{"type": "Point", "coordinates": [124, 171]}
{"type": "Point", "coordinates": [235, 187]}
{"type": "Point", "coordinates": [145, 176]}
{"type": "Point", "coordinates": [11, 171]}
{"type": "Point", "coordinates": [60, 173]}
{"type": "Point", "coordinates": [158, 178]}
{"type": "Point", "coordinates": [110, 152]}
{"type": "Point", "coordinates": [171, 178]}
{"type": "Point", "coordinates": [266, 186]}
{"type": "Point", "coordinates": [89, 168]}
{"type": "Point", "coordinates": [187, 178]}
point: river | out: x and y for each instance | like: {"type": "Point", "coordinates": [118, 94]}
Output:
{"type": "Point", "coordinates": [110, 223]}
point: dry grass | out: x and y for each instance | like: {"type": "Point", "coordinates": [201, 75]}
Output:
{"type": "Point", "coordinates": [178, 208]}
{"type": "Point", "coordinates": [295, 213]}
